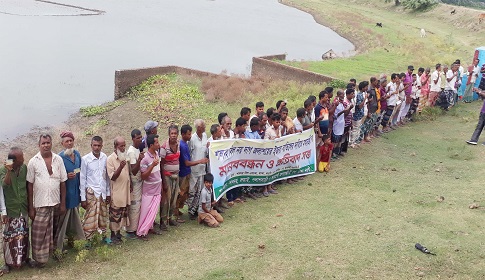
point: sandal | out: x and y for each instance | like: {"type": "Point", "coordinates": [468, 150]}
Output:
{"type": "Point", "coordinates": [180, 220]}
{"type": "Point", "coordinates": [115, 241]}
{"type": "Point", "coordinates": [35, 264]}
{"type": "Point", "coordinates": [4, 270]}
{"type": "Point", "coordinates": [143, 237]}
{"type": "Point", "coordinates": [107, 240]}
{"type": "Point", "coordinates": [154, 231]}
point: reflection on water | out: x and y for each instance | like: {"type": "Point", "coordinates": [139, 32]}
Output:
{"type": "Point", "coordinates": [52, 65]}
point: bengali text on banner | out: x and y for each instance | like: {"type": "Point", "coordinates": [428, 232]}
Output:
{"type": "Point", "coordinates": [244, 162]}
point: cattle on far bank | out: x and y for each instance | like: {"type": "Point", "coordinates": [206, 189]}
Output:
{"type": "Point", "coordinates": [423, 33]}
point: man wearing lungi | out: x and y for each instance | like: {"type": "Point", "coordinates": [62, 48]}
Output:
{"type": "Point", "coordinates": [135, 157]}
{"type": "Point", "coordinates": [118, 172]}
{"type": "Point", "coordinates": [46, 176]}
{"type": "Point", "coordinates": [14, 208]}
{"type": "Point", "coordinates": [151, 188]}
{"type": "Point", "coordinates": [95, 191]}
{"type": "Point", "coordinates": [69, 224]}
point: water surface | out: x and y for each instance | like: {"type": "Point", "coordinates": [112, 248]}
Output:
{"type": "Point", "coordinates": [53, 61]}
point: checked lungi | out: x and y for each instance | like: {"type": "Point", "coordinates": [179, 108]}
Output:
{"type": "Point", "coordinates": [134, 210]}
{"type": "Point", "coordinates": [96, 216]}
{"type": "Point", "coordinates": [118, 217]}
{"type": "Point", "coordinates": [43, 226]}
{"type": "Point", "coordinates": [367, 126]}
{"type": "Point", "coordinates": [196, 185]}
{"type": "Point", "coordinates": [387, 115]}
{"type": "Point", "coordinates": [414, 107]}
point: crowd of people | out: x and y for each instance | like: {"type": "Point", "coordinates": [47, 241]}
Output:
{"type": "Point", "coordinates": [127, 189]}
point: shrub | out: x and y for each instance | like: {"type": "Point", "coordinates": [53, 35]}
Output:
{"type": "Point", "coordinates": [337, 84]}
{"type": "Point", "coordinates": [91, 111]}
{"type": "Point", "coordinates": [230, 88]}
{"type": "Point", "coordinates": [418, 4]}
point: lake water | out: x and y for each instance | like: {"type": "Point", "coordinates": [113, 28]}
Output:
{"type": "Point", "coordinates": [53, 61]}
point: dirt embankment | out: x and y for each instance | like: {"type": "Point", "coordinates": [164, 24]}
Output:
{"type": "Point", "coordinates": [121, 121]}
{"type": "Point", "coordinates": [163, 100]}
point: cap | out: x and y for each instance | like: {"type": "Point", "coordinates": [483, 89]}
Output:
{"type": "Point", "coordinates": [149, 125]}
{"type": "Point", "coordinates": [67, 134]}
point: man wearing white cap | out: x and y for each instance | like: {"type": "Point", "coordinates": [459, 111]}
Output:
{"type": "Point", "coordinates": [69, 224]}
{"type": "Point", "coordinates": [150, 129]}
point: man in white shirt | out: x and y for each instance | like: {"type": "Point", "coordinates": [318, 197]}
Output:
{"type": "Point", "coordinates": [226, 124]}
{"type": "Point", "coordinates": [95, 190]}
{"type": "Point", "coordinates": [415, 93]}
{"type": "Point", "coordinates": [472, 77]}
{"type": "Point", "coordinates": [198, 148]}
{"type": "Point", "coordinates": [392, 97]}
{"type": "Point", "coordinates": [46, 177]}
{"type": "Point", "coordinates": [418, 83]}
{"type": "Point", "coordinates": [460, 69]}
{"type": "Point", "coordinates": [450, 90]}
{"type": "Point", "coordinates": [435, 86]}
{"type": "Point", "coordinates": [135, 156]}
{"type": "Point", "coordinates": [259, 109]}
{"type": "Point", "coordinates": [216, 133]}
{"type": "Point", "coordinates": [300, 115]}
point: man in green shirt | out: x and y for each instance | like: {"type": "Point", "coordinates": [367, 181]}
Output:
{"type": "Point", "coordinates": [14, 208]}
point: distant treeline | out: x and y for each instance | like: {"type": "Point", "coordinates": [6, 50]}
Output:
{"type": "Point", "coordinates": [467, 3]}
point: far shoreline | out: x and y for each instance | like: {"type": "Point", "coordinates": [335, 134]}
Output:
{"type": "Point", "coordinates": [72, 118]}
{"type": "Point", "coordinates": [358, 46]}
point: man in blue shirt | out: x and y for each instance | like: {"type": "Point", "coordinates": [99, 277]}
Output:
{"type": "Point", "coordinates": [253, 133]}
{"type": "Point", "coordinates": [69, 224]}
{"type": "Point", "coordinates": [185, 164]}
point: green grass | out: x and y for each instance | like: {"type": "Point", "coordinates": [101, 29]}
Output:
{"type": "Point", "coordinates": [96, 127]}
{"type": "Point", "coordinates": [96, 110]}
{"type": "Point", "coordinates": [360, 220]}
{"type": "Point", "coordinates": [396, 45]}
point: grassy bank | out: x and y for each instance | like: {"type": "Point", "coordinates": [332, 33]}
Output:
{"type": "Point", "coordinates": [398, 43]}
{"type": "Point", "coordinates": [361, 220]}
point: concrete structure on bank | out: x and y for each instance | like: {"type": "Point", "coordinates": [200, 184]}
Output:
{"type": "Point", "coordinates": [330, 54]}
{"type": "Point", "coordinates": [264, 66]}
{"type": "Point", "coordinates": [268, 66]}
